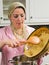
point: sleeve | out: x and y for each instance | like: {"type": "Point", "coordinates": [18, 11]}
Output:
{"type": "Point", "coordinates": [1, 35]}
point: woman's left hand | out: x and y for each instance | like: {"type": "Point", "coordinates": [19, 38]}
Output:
{"type": "Point", "coordinates": [21, 42]}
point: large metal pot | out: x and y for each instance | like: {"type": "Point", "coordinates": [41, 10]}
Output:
{"type": "Point", "coordinates": [21, 60]}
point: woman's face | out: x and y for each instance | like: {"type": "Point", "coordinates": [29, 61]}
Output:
{"type": "Point", "coordinates": [17, 18]}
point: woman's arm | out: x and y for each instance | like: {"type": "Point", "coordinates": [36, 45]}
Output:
{"type": "Point", "coordinates": [2, 43]}
{"type": "Point", "coordinates": [9, 42]}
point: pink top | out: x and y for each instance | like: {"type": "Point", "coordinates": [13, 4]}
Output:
{"type": "Point", "coordinates": [8, 52]}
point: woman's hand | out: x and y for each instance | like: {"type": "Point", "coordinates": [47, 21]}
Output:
{"type": "Point", "coordinates": [11, 43]}
{"type": "Point", "coordinates": [14, 43]}
{"type": "Point", "coordinates": [22, 42]}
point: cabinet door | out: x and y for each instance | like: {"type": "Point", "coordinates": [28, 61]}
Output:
{"type": "Point", "coordinates": [1, 12]}
{"type": "Point", "coordinates": [39, 11]}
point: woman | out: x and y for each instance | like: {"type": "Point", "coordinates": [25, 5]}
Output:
{"type": "Point", "coordinates": [11, 36]}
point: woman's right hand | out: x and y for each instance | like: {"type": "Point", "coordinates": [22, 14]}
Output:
{"type": "Point", "coordinates": [11, 43]}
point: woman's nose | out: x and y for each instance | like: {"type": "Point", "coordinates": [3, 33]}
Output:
{"type": "Point", "coordinates": [19, 17]}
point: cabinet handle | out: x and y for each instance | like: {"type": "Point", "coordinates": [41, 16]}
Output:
{"type": "Point", "coordinates": [1, 17]}
{"type": "Point", "coordinates": [31, 17]}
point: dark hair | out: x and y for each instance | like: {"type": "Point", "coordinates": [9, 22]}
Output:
{"type": "Point", "coordinates": [22, 8]}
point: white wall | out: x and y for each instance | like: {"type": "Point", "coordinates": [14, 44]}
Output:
{"type": "Point", "coordinates": [1, 11]}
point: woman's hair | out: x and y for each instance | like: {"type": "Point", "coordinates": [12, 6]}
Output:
{"type": "Point", "coordinates": [13, 6]}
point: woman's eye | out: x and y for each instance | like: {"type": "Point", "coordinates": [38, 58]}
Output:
{"type": "Point", "coordinates": [15, 16]}
{"type": "Point", "coordinates": [22, 15]}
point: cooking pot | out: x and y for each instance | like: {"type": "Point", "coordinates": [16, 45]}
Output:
{"type": "Point", "coordinates": [21, 60]}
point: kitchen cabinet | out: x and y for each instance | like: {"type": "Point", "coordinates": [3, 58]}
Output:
{"type": "Point", "coordinates": [38, 12]}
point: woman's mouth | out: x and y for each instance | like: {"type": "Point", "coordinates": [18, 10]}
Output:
{"type": "Point", "coordinates": [19, 23]}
